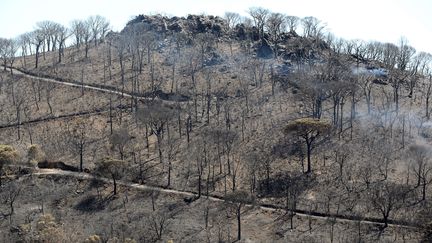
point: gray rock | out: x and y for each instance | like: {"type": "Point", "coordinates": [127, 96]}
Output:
{"type": "Point", "coordinates": [263, 50]}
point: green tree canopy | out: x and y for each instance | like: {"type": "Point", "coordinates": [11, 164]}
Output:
{"type": "Point", "coordinates": [309, 127]}
{"type": "Point", "coordinates": [8, 154]}
{"type": "Point", "coordinates": [35, 154]}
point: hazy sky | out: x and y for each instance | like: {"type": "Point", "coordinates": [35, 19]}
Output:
{"type": "Point", "coordinates": [382, 20]}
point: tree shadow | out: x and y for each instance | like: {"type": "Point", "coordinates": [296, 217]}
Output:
{"type": "Point", "coordinates": [281, 183]}
{"type": "Point", "coordinates": [93, 203]}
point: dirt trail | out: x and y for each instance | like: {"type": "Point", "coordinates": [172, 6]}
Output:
{"type": "Point", "coordinates": [266, 207]}
{"type": "Point", "coordinates": [71, 84]}
{"type": "Point", "coordinates": [166, 98]}
{"type": "Point", "coordinates": [97, 111]}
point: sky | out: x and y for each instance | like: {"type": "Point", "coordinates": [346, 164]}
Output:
{"type": "Point", "coordinates": [380, 20]}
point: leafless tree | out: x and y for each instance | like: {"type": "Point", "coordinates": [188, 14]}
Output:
{"type": "Point", "coordinates": [119, 140]}
{"type": "Point", "coordinates": [389, 55]}
{"type": "Point", "coordinates": [156, 115]}
{"type": "Point", "coordinates": [204, 43]}
{"type": "Point", "coordinates": [200, 152]}
{"type": "Point", "coordinates": [259, 16]}
{"type": "Point", "coordinates": [366, 84]}
{"type": "Point", "coordinates": [78, 137]}
{"type": "Point", "coordinates": [78, 29]}
{"type": "Point", "coordinates": [46, 28]}
{"type": "Point", "coordinates": [289, 186]}
{"type": "Point", "coordinates": [373, 50]}
{"type": "Point", "coordinates": [292, 23]}
{"type": "Point", "coordinates": [24, 41]}
{"type": "Point", "coordinates": [421, 166]}
{"type": "Point", "coordinates": [348, 46]}
{"type": "Point", "coordinates": [112, 168]}
{"type": "Point", "coordinates": [275, 25]}
{"type": "Point", "coordinates": [313, 86]}
{"type": "Point", "coordinates": [172, 58]}
{"type": "Point", "coordinates": [232, 19]}
{"type": "Point", "coordinates": [334, 76]}
{"type": "Point", "coordinates": [336, 44]}
{"type": "Point", "coordinates": [397, 79]}
{"type": "Point", "coordinates": [63, 34]}
{"type": "Point", "coordinates": [159, 221]}
{"type": "Point", "coordinates": [49, 87]}
{"type": "Point", "coordinates": [191, 63]}
{"type": "Point", "coordinates": [420, 63]}
{"type": "Point", "coordinates": [387, 198]}
{"type": "Point", "coordinates": [4, 45]}
{"type": "Point", "coordinates": [252, 165]}
{"type": "Point", "coordinates": [417, 68]}
{"type": "Point", "coordinates": [121, 44]}
{"type": "Point", "coordinates": [37, 41]}
{"type": "Point", "coordinates": [135, 35]}
{"type": "Point", "coordinates": [19, 101]}
{"type": "Point", "coordinates": [8, 49]}
{"type": "Point", "coordinates": [406, 52]}
{"type": "Point", "coordinates": [237, 200]}
{"type": "Point", "coordinates": [260, 160]}
{"type": "Point", "coordinates": [428, 96]}
{"type": "Point", "coordinates": [312, 27]}
{"type": "Point", "coordinates": [342, 153]}
{"type": "Point", "coordinates": [99, 26]}
{"type": "Point", "coordinates": [256, 70]}
{"type": "Point", "coordinates": [150, 39]}
{"type": "Point", "coordinates": [229, 138]}
{"type": "Point", "coordinates": [85, 36]}
{"type": "Point", "coordinates": [13, 192]}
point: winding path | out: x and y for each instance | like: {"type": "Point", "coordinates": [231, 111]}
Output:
{"type": "Point", "coordinates": [169, 98]}
{"type": "Point", "coordinates": [97, 111]}
{"type": "Point", "coordinates": [189, 194]}
{"type": "Point", "coordinates": [71, 84]}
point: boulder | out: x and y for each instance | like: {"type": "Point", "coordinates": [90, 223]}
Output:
{"type": "Point", "coordinates": [263, 50]}
{"type": "Point", "coordinates": [175, 27]}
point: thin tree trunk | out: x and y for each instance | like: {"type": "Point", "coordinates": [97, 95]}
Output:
{"type": "Point", "coordinates": [115, 185]}
{"type": "Point", "coordinates": [239, 223]}
{"type": "Point", "coordinates": [309, 151]}
{"type": "Point", "coordinates": [81, 157]}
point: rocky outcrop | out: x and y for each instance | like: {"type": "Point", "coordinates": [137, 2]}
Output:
{"type": "Point", "coordinates": [243, 32]}
{"type": "Point", "coordinates": [191, 24]}
{"type": "Point", "coordinates": [290, 45]}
